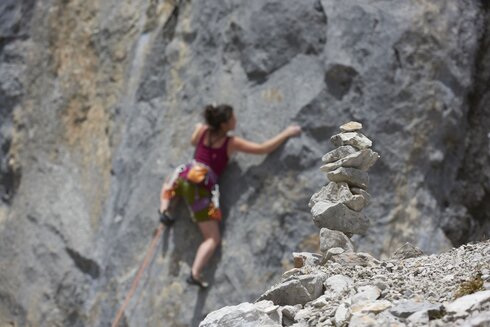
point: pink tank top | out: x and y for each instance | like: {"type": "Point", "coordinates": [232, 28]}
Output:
{"type": "Point", "coordinates": [215, 158]}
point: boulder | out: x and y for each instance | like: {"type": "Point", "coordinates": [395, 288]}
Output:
{"type": "Point", "coordinates": [337, 216]}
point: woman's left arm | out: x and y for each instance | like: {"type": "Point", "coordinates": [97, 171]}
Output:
{"type": "Point", "coordinates": [198, 130]}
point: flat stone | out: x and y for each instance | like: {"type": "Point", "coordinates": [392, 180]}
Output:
{"type": "Point", "coordinates": [356, 139]}
{"type": "Point", "coordinates": [407, 308]}
{"type": "Point", "coordinates": [406, 251]}
{"type": "Point", "coordinates": [351, 126]}
{"type": "Point", "coordinates": [337, 216]}
{"type": "Point", "coordinates": [332, 239]}
{"type": "Point", "coordinates": [351, 176]}
{"type": "Point", "coordinates": [339, 153]}
{"type": "Point", "coordinates": [464, 304]}
{"type": "Point", "coordinates": [362, 160]}
{"type": "Point", "coordinates": [299, 290]}
{"type": "Point", "coordinates": [291, 273]}
{"type": "Point", "coordinates": [373, 307]}
{"type": "Point", "coordinates": [356, 259]}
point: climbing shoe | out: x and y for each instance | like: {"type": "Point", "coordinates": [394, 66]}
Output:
{"type": "Point", "coordinates": [193, 281]}
{"type": "Point", "coordinates": [166, 219]}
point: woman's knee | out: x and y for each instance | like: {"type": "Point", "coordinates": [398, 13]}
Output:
{"type": "Point", "coordinates": [215, 240]}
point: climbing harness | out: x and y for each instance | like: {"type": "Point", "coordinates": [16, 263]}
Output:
{"type": "Point", "coordinates": [136, 280]}
{"type": "Point", "coordinates": [198, 178]}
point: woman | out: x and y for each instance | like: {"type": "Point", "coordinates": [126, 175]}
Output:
{"type": "Point", "coordinates": [196, 182]}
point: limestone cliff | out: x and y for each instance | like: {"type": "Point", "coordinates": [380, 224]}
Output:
{"type": "Point", "coordinates": [97, 99]}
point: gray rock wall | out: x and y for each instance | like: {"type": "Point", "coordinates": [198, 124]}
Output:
{"type": "Point", "coordinates": [97, 99]}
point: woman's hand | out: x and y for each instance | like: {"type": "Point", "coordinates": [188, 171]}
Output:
{"type": "Point", "coordinates": [292, 130]}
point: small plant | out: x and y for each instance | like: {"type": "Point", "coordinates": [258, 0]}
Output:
{"type": "Point", "coordinates": [469, 287]}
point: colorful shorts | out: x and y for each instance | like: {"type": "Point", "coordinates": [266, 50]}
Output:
{"type": "Point", "coordinates": [202, 200]}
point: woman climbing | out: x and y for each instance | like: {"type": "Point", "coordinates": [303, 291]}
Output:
{"type": "Point", "coordinates": [196, 182]}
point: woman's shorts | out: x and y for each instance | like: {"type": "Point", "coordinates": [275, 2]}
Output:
{"type": "Point", "coordinates": [203, 204]}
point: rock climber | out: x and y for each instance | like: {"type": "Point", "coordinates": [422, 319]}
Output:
{"type": "Point", "coordinates": [196, 182]}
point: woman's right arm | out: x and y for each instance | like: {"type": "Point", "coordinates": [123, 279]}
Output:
{"type": "Point", "coordinates": [241, 145]}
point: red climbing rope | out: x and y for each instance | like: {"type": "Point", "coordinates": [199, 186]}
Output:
{"type": "Point", "coordinates": [134, 285]}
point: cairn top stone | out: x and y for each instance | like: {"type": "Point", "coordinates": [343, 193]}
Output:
{"type": "Point", "coordinates": [351, 126]}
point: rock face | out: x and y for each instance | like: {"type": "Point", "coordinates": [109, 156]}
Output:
{"type": "Point", "coordinates": [97, 99]}
{"type": "Point", "coordinates": [397, 292]}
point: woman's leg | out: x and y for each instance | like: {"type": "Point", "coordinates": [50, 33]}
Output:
{"type": "Point", "coordinates": [211, 239]}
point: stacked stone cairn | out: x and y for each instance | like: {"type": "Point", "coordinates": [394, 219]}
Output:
{"type": "Point", "coordinates": [337, 208]}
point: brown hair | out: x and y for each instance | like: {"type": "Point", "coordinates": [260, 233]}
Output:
{"type": "Point", "coordinates": [216, 115]}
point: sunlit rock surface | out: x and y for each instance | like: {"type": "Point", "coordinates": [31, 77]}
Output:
{"type": "Point", "coordinates": [97, 99]}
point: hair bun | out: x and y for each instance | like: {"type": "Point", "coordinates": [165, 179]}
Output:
{"type": "Point", "coordinates": [216, 115]}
